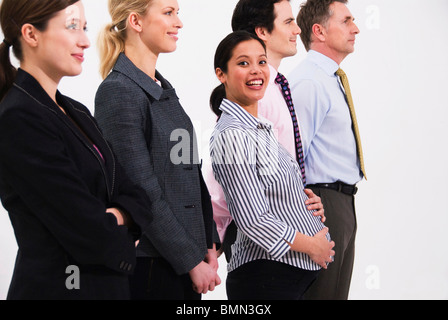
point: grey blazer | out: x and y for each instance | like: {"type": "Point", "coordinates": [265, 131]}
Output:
{"type": "Point", "coordinates": [150, 133]}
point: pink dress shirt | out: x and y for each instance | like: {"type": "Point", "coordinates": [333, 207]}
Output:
{"type": "Point", "coordinates": [272, 107]}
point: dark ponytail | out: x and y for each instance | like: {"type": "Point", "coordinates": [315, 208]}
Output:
{"type": "Point", "coordinates": [218, 94]}
{"type": "Point", "coordinates": [7, 71]}
{"type": "Point", "coordinates": [223, 54]}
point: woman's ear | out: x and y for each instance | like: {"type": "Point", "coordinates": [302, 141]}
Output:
{"type": "Point", "coordinates": [135, 22]}
{"type": "Point", "coordinates": [30, 35]}
{"type": "Point", "coordinates": [220, 75]}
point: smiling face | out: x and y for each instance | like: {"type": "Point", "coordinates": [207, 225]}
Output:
{"type": "Point", "coordinates": [61, 46]}
{"type": "Point", "coordinates": [247, 74]}
{"type": "Point", "coordinates": [282, 41]}
{"type": "Point", "coordinates": [160, 26]}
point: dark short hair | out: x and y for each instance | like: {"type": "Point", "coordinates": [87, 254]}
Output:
{"type": "Point", "coordinates": [313, 12]}
{"type": "Point", "coordinates": [251, 14]}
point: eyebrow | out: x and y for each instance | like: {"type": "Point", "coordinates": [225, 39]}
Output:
{"type": "Point", "coordinates": [74, 20]}
{"type": "Point", "coordinates": [78, 22]}
{"type": "Point", "coordinates": [246, 56]}
{"type": "Point", "coordinates": [349, 18]}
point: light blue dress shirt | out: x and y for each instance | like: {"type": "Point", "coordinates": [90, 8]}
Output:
{"type": "Point", "coordinates": [325, 122]}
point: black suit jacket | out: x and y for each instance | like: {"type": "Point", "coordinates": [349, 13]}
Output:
{"type": "Point", "coordinates": [56, 188]}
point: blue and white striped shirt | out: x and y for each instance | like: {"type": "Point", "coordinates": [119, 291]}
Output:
{"type": "Point", "coordinates": [263, 189]}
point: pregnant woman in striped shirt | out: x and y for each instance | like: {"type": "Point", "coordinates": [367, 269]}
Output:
{"type": "Point", "coordinates": [280, 246]}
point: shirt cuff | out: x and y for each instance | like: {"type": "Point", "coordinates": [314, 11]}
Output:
{"type": "Point", "coordinates": [282, 246]}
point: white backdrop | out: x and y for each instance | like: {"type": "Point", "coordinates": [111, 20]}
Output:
{"type": "Point", "coordinates": [398, 76]}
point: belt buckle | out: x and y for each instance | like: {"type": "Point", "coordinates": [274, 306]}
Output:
{"type": "Point", "coordinates": [339, 184]}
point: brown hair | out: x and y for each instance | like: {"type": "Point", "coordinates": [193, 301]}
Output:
{"type": "Point", "coordinates": [313, 12]}
{"type": "Point", "coordinates": [13, 15]}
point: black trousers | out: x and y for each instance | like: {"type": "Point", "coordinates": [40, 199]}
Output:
{"type": "Point", "coordinates": [334, 283]}
{"type": "Point", "coordinates": [155, 279]}
{"type": "Point", "coordinates": [268, 280]}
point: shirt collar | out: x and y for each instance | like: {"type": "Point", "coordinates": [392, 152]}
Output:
{"type": "Point", "coordinates": [273, 74]}
{"type": "Point", "coordinates": [325, 63]}
{"type": "Point", "coordinates": [235, 110]}
{"type": "Point", "coordinates": [125, 66]}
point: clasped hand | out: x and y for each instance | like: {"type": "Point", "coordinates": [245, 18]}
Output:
{"type": "Point", "coordinates": [205, 275]}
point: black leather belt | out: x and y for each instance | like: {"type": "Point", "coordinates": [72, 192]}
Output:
{"type": "Point", "coordinates": [338, 186]}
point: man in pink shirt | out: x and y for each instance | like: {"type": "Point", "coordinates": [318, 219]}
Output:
{"type": "Point", "coordinates": [274, 23]}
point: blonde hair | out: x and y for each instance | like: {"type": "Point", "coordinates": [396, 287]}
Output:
{"type": "Point", "coordinates": [111, 41]}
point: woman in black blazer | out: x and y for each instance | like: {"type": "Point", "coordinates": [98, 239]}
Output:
{"type": "Point", "coordinates": [153, 137]}
{"type": "Point", "coordinates": [75, 216]}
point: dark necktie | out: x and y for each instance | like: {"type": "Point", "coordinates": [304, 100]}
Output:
{"type": "Point", "coordinates": [351, 107]}
{"type": "Point", "coordinates": [283, 82]}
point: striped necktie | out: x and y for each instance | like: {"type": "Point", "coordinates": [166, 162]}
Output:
{"type": "Point", "coordinates": [351, 107]}
{"type": "Point", "coordinates": [283, 82]}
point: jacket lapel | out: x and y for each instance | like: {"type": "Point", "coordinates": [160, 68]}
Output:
{"type": "Point", "coordinates": [82, 124]}
{"type": "Point", "coordinates": [126, 67]}
{"type": "Point", "coordinates": [86, 129]}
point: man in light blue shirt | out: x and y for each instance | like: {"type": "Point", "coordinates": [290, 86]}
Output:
{"type": "Point", "coordinates": [327, 135]}
{"type": "Point", "coordinates": [330, 149]}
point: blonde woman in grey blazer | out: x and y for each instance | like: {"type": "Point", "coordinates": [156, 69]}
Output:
{"type": "Point", "coordinates": [140, 114]}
